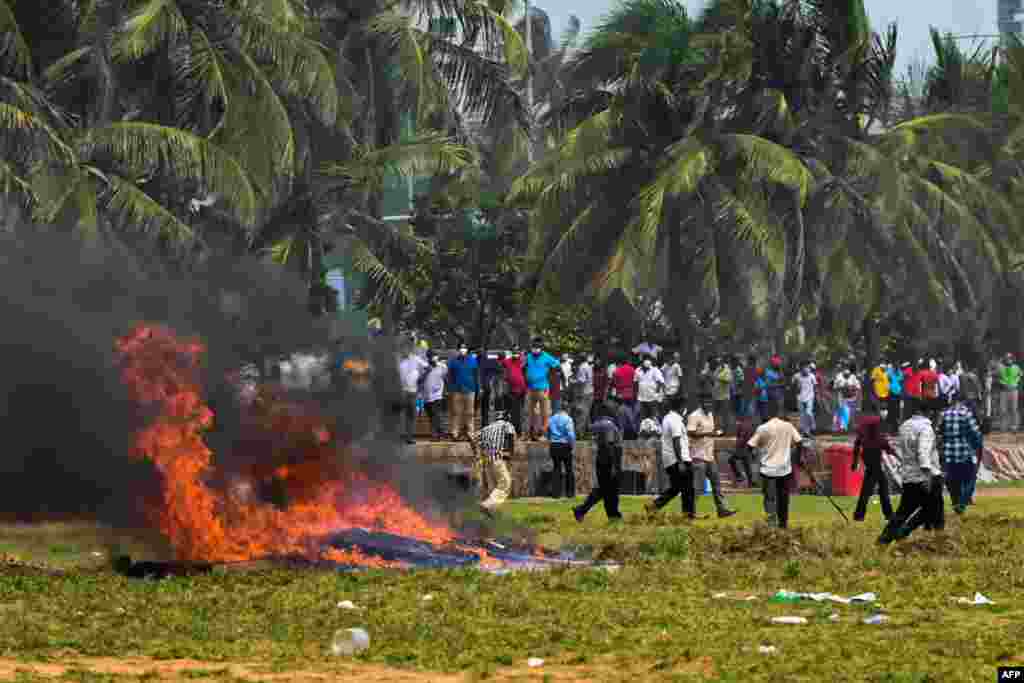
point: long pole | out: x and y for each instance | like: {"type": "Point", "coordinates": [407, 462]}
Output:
{"type": "Point", "coordinates": [529, 77]}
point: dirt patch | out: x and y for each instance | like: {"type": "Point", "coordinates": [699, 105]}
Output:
{"type": "Point", "coordinates": [190, 670]}
{"type": "Point", "coordinates": [1010, 493]}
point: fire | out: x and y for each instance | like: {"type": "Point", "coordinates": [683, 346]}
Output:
{"type": "Point", "coordinates": [204, 522]}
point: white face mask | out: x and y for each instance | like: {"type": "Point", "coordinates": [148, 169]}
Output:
{"type": "Point", "coordinates": [590, 359]}
{"type": "Point", "coordinates": [647, 364]}
{"type": "Point", "coordinates": [463, 352]}
{"type": "Point", "coordinates": [536, 351]}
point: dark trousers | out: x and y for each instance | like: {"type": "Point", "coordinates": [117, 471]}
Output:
{"type": "Point", "coordinates": [740, 460]}
{"type": "Point", "coordinates": [680, 478]}
{"type": "Point", "coordinates": [514, 408]}
{"type": "Point", "coordinates": [485, 407]}
{"type": "Point", "coordinates": [434, 409]}
{"type": "Point", "coordinates": [874, 476]}
{"type": "Point", "coordinates": [919, 506]}
{"type": "Point", "coordinates": [959, 477]}
{"type": "Point", "coordinates": [721, 412]}
{"type": "Point", "coordinates": [649, 409]}
{"type": "Point", "coordinates": [776, 499]}
{"type": "Point", "coordinates": [408, 411]}
{"type": "Point", "coordinates": [564, 474]}
{"type": "Point", "coordinates": [894, 404]}
{"type": "Point", "coordinates": [608, 467]}
{"type": "Point", "coordinates": [762, 410]}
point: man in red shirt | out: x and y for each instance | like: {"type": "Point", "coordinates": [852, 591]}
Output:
{"type": "Point", "coordinates": [624, 382]}
{"type": "Point", "coordinates": [911, 381]}
{"type": "Point", "coordinates": [927, 384]}
{"type": "Point", "coordinates": [513, 366]}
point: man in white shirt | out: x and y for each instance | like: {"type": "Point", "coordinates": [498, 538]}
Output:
{"type": "Point", "coordinates": [410, 371]}
{"type": "Point", "coordinates": [806, 383]}
{"type": "Point", "coordinates": [921, 502]}
{"type": "Point", "coordinates": [583, 390]}
{"type": "Point", "coordinates": [774, 442]}
{"type": "Point", "coordinates": [649, 384]}
{"type": "Point", "coordinates": [432, 393]}
{"type": "Point", "coordinates": [675, 458]}
{"type": "Point", "coordinates": [672, 371]}
{"type": "Point", "coordinates": [847, 388]}
{"type": "Point", "coordinates": [700, 427]}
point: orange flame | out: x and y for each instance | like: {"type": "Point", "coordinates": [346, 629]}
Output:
{"type": "Point", "coordinates": [201, 521]}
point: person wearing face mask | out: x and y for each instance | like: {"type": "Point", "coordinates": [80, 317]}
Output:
{"type": "Point", "coordinates": [806, 383]}
{"type": "Point", "coordinates": [537, 369]}
{"type": "Point", "coordinates": [847, 387]}
{"type": "Point", "coordinates": [432, 393]}
{"type": "Point", "coordinates": [463, 385]}
{"type": "Point", "coordinates": [583, 392]}
{"type": "Point", "coordinates": [516, 396]}
{"type": "Point", "coordinates": [649, 384]}
{"type": "Point", "coordinates": [672, 371]}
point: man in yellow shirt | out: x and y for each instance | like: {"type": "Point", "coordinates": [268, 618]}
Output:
{"type": "Point", "coordinates": [879, 387]}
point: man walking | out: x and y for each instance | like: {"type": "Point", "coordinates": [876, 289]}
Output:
{"type": "Point", "coordinates": [961, 440]}
{"type": "Point", "coordinates": [562, 435]}
{"type": "Point", "coordinates": [607, 466]}
{"type": "Point", "coordinates": [921, 501]}
{"type": "Point", "coordinates": [411, 371]}
{"type": "Point", "coordinates": [806, 383]}
{"type": "Point", "coordinates": [492, 446]}
{"type": "Point", "coordinates": [675, 458]}
{"type": "Point", "coordinates": [776, 440]}
{"type": "Point", "coordinates": [463, 385]}
{"type": "Point", "coordinates": [1009, 385]}
{"type": "Point", "coordinates": [869, 446]}
{"type": "Point", "coordinates": [740, 460]}
{"type": "Point", "coordinates": [433, 393]}
{"type": "Point", "coordinates": [537, 370]}
{"type": "Point", "coordinates": [700, 426]}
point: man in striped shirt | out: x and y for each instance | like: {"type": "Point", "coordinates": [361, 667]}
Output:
{"type": "Point", "coordinates": [961, 440]}
{"type": "Point", "coordinates": [921, 503]}
{"type": "Point", "coordinates": [492, 445]}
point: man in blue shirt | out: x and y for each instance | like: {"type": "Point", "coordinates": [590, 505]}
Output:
{"type": "Point", "coordinates": [538, 404]}
{"type": "Point", "coordinates": [463, 384]}
{"type": "Point", "coordinates": [562, 435]}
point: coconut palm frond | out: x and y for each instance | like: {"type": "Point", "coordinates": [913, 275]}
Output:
{"type": "Point", "coordinates": [21, 129]}
{"type": "Point", "coordinates": [143, 146]}
{"type": "Point", "coordinates": [68, 68]}
{"type": "Point", "coordinates": [13, 184]}
{"type": "Point", "coordinates": [765, 161]}
{"type": "Point", "coordinates": [390, 284]}
{"type": "Point", "coordinates": [686, 164]}
{"type": "Point", "coordinates": [150, 25]}
{"type": "Point", "coordinates": [205, 74]}
{"type": "Point", "coordinates": [957, 139]}
{"type": "Point", "coordinates": [136, 210]}
{"type": "Point", "coordinates": [429, 153]}
{"type": "Point", "coordinates": [15, 55]}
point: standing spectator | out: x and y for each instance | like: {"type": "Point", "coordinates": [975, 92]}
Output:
{"type": "Point", "coordinates": [949, 384]}
{"type": "Point", "coordinates": [624, 386]}
{"type": "Point", "coordinates": [928, 380]}
{"type": "Point", "coordinates": [607, 466]}
{"type": "Point", "coordinates": [700, 426]}
{"type": "Point", "coordinates": [740, 460]}
{"type": "Point", "coordinates": [537, 369]}
{"type": "Point", "coordinates": [649, 383]}
{"type": "Point", "coordinates": [847, 387]}
{"type": "Point", "coordinates": [806, 383]}
{"type": "Point", "coordinates": [869, 446]}
{"type": "Point", "coordinates": [411, 370]}
{"type": "Point", "coordinates": [994, 391]}
{"type": "Point", "coordinates": [583, 389]}
{"type": "Point", "coordinates": [567, 386]}
{"type": "Point", "coordinates": [463, 386]}
{"type": "Point", "coordinates": [879, 387]}
{"type": "Point", "coordinates": [672, 371]}
{"type": "Point", "coordinates": [675, 456]}
{"type": "Point", "coordinates": [1009, 385]}
{"type": "Point", "coordinates": [433, 393]}
{"type": "Point", "coordinates": [750, 392]}
{"type": "Point", "coordinates": [706, 379]}
{"type": "Point", "coordinates": [562, 435]}
{"type": "Point", "coordinates": [921, 501]}
{"type": "Point", "coordinates": [722, 380]}
{"type": "Point", "coordinates": [970, 390]}
{"type": "Point", "coordinates": [516, 381]}
{"type": "Point", "coordinates": [775, 440]}
{"type": "Point", "coordinates": [492, 446]}
{"type": "Point", "coordinates": [555, 387]}
{"type": "Point", "coordinates": [776, 385]}
{"type": "Point", "coordinates": [895, 416]}
{"type": "Point", "coordinates": [737, 387]}
{"type": "Point", "coordinates": [491, 372]}
{"type": "Point", "coordinates": [961, 440]}
{"type": "Point", "coordinates": [761, 388]}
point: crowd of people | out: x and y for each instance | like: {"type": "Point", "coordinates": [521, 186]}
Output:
{"type": "Point", "coordinates": [936, 412]}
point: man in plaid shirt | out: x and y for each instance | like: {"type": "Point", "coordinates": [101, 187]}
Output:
{"type": "Point", "coordinates": [491, 446]}
{"type": "Point", "coordinates": [961, 440]}
{"type": "Point", "coordinates": [921, 503]}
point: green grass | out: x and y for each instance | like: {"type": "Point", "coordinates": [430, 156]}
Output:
{"type": "Point", "coordinates": [655, 619]}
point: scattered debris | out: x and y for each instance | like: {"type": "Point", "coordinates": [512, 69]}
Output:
{"type": "Point", "coordinates": [347, 604]}
{"type": "Point", "coordinates": [979, 599]}
{"type": "Point", "coordinates": [350, 641]}
{"type": "Point", "coordinates": [733, 596]}
{"type": "Point", "coordinates": [791, 596]}
{"type": "Point", "coordinates": [534, 662]}
{"type": "Point", "coordinates": [428, 597]}
{"type": "Point", "coordinates": [789, 620]}
{"type": "Point", "coordinates": [876, 619]}
{"type": "Point", "coordinates": [97, 553]}
{"type": "Point", "coordinates": [767, 649]}
{"type": "Point", "coordinates": [834, 616]}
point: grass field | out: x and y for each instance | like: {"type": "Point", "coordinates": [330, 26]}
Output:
{"type": "Point", "coordinates": [654, 619]}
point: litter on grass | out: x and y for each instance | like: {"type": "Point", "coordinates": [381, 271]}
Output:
{"type": "Point", "coordinates": [876, 619]}
{"type": "Point", "coordinates": [789, 620]}
{"type": "Point", "coordinates": [428, 597]}
{"type": "Point", "coordinates": [767, 649]}
{"type": "Point", "coordinates": [350, 641]}
{"type": "Point", "coordinates": [791, 596]}
{"type": "Point", "coordinates": [979, 599]}
{"type": "Point", "coordinates": [733, 596]}
{"type": "Point", "coordinates": [347, 604]}
{"type": "Point", "coordinates": [534, 662]}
